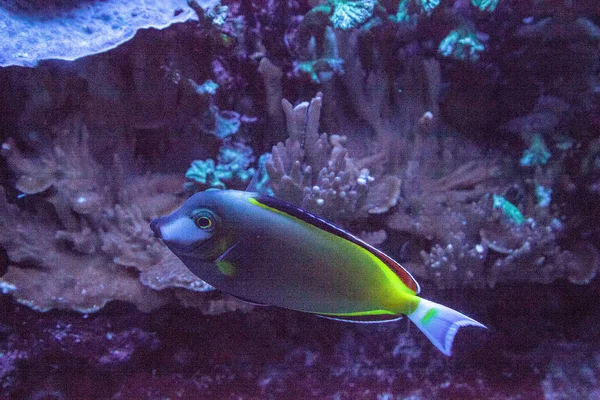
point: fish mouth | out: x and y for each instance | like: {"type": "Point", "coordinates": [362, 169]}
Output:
{"type": "Point", "coordinates": [155, 227]}
{"type": "Point", "coordinates": [184, 250]}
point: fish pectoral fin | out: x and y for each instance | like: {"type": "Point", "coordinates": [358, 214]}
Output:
{"type": "Point", "coordinates": [226, 252]}
{"type": "Point", "coordinates": [363, 319]}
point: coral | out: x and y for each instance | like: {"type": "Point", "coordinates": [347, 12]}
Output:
{"type": "Point", "coordinates": [349, 14]}
{"type": "Point", "coordinates": [582, 262]}
{"type": "Point", "coordinates": [230, 171]}
{"type": "Point", "coordinates": [320, 70]}
{"type": "Point", "coordinates": [543, 120]}
{"type": "Point", "coordinates": [85, 240]}
{"type": "Point", "coordinates": [524, 252]}
{"type": "Point", "coordinates": [374, 238]}
{"type": "Point", "coordinates": [219, 25]}
{"type": "Point", "coordinates": [427, 6]}
{"type": "Point", "coordinates": [209, 87]}
{"type": "Point", "coordinates": [226, 123]}
{"type": "Point", "coordinates": [536, 154]}
{"type": "Point", "coordinates": [543, 195]}
{"type": "Point", "coordinates": [462, 45]}
{"type": "Point", "coordinates": [272, 75]}
{"type": "Point", "coordinates": [390, 105]}
{"type": "Point", "coordinates": [511, 212]}
{"type": "Point", "coordinates": [478, 239]}
{"type": "Point", "coordinates": [485, 5]}
{"type": "Point", "coordinates": [217, 122]}
{"type": "Point", "coordinates": [315, 173]}
{"type": "Point", "coordinates": [318, 50]}
{"type": "Point", "coordinates": [70, 30]}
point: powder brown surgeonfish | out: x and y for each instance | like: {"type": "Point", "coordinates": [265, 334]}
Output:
{"type": "Point", "coordinates": [264, 250]}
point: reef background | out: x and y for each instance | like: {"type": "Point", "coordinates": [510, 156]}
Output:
{"type": "Point", "coordinates": [462, 138]}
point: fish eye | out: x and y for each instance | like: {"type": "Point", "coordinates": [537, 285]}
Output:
{"type": "Point", "coordinates": [203, 222]}
{"type": "Point", "coordinates": [204, 219]}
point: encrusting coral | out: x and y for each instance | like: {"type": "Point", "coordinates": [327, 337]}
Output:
{"type": "Point", "coordinates": [38, 30]}
{"type": "Point", "coordinates": [79, 237]}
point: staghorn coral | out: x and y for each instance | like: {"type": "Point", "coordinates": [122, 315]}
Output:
{"type": "Point", "coordinates": [314, 172]}
{"type": "Point", "coordinates": [83, 239]}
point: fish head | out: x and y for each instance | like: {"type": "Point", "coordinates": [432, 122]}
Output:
{"type": "Point", "coordinates": [200, 229]}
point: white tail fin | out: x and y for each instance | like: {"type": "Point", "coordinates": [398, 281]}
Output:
{"type": "Point", "coordinates": [440, 323]}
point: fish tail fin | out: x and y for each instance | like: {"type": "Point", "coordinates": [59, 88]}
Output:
{"type": "Point", "coordinates": [440, 323]}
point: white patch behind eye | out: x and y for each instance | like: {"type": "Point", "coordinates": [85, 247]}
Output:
{"type": "Point", "coordinates": [183, 231]}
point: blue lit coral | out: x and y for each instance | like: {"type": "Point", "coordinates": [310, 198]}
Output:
{"type": "Point", "coordinates": [230, 171]}
{"type": "Point", "coordinates": [509, 210]}
{"type": "Point", "coordinates": [485, 5]}
{"type": "Point", "coordinates": [462, 45]}
{"type": "Point", "coordinates": [537, 154]}
{"type": "Point", "coordinates": [349, 14]}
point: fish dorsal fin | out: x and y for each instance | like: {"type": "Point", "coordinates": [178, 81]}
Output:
{"type": "Point", "coordinates": [321, 223]}
{"type": "Point", "coordinates": [363, 319]}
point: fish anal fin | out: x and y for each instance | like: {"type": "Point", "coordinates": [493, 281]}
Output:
{"type": "Point", "coordinates": [254, 303]}
{"type": "Point", "coordinates": [363, 319]}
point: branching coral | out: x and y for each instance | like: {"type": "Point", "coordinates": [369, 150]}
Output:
{"type": "Point", "coordinates": [392, 106]}
{"type": "Point", "coordinates": [318, 50]}
{"type": "Point", "coordinates": [81, 238]}
{"type": "Point", "coordinates": [311, 170]}
{"type": "Point", "coordinates": [314, 171]}
{"type": "Point", "coordinates": [478, 239]}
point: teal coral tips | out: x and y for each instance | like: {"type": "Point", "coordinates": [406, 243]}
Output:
{"type": "Point", "coordinates": [264, 250]}
{"type": "Point", "coordinates": [485, 5]}
{"type": "Point", "coordinates": [508, 209]}
{"type": "Point", "coordinates": [427, 6]}
{"type": "Point", "coordinates": [231, 169]}
{"type": "Point", "coordinates": [462, 45]}
{"type": "Point", "coordinates": [348, 14]}
{"type": "Point", "coordinates": [537, 153]}
{"type": "Point", "coordinates": [543, 195]}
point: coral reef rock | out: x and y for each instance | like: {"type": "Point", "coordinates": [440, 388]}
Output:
{"type": "Point", "coordinates": [79, 237]}
{"type": "Point", "coordinates": [67, 30]}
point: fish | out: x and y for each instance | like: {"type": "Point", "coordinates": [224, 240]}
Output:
{"type": "Point", "coordinates": [265, 251]}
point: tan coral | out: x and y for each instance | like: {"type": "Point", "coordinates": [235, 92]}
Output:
{"type": "Point", "coordinates": [86, 241]}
